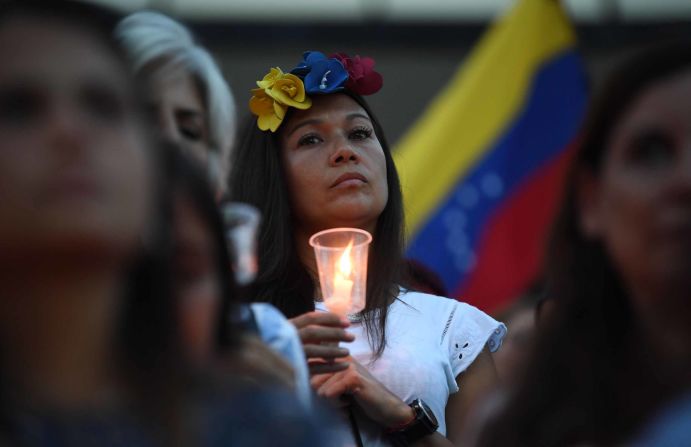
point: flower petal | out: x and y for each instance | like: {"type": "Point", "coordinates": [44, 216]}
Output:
{"type": "Point", "coordinates": [269, 113]}
{"type": "Point", "coordinates": [326, 76]}
{"type": "Point", "coordinates": [270, 78]}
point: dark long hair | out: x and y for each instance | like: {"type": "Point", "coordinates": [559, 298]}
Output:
{"type": "Point", "coordinates": [258, 178]}
{"type": "Point", "coordinates": [594, 378]}
{"type": "Point", "coordinates": [188, 178]}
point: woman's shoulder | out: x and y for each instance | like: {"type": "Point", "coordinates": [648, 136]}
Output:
{"type": "Point", "coordinates": [457, 317]}
{"type": "Point", "coordinates": [427, 303]}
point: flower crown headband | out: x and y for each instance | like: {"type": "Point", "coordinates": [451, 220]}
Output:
{"type": "Point", "coordinates": [315, 75]}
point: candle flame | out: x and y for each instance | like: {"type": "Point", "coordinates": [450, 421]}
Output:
{"type": "Point", "coordinates": [344, 263]}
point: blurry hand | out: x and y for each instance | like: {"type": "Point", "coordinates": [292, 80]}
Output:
{"type": "Point", "coordinates": [320, 333]}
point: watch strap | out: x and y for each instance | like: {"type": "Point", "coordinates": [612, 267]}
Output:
{"type": "Point", "coordinates": [416, 429]}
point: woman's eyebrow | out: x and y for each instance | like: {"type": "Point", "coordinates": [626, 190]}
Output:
{"type": "Point", "coordinates": [303, 124]}
{"type": "Point", "coordinates": [352, 116]}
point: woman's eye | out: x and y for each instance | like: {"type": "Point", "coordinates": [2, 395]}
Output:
{"type": "Point", "coordinates": [652, 148]}
{"type": "Point", "coordinates": [308, 140]}
{"type": "Point", "coordinates": [361, 133]}
{"type": "Point", "coordinates": [20, 106]}
{"type": "Point", "coordinates": [191, 133]}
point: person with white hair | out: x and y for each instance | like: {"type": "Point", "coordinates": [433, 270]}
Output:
{"type": "Point", "coordinates": [196, 111]}
{"type": "Point", "coordinates": [192, 100]}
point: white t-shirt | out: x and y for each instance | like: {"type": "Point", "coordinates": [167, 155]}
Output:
{"type": "Point", "coordinates": [430, 340]}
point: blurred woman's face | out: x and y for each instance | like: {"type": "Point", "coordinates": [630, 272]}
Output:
{"type": "Point", "coordinates": [182, 118]}
{"type": "Point", "coordinates": [640, 205]}
{"type": "Point", "coordinates": [75, 171]}
{"type": "Point", "coordinates": [335, 165]}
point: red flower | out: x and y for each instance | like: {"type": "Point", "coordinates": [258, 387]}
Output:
{"type": "Point", "coordinates": [362, 79]}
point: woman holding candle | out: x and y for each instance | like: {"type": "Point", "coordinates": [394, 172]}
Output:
{"type": "Point", "coordinates": [316, 158]}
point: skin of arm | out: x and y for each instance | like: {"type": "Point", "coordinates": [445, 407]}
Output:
{"type": "Point", "coordinates": [382, 406]}
{"type": "Point", "coordinates": [474, 384]}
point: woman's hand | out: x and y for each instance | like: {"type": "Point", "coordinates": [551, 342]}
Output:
{"type": "Point", "coordinates": [378, 403]}
{"type": "Point", "coordinates": [320, 333]}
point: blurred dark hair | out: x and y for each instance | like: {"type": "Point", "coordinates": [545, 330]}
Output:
{"type": "Point", "coordinates": [594, 378]}
{"type": "Point", "coordinates": [189, 178]}
{"type": "Point", "coordinates": [258, 178]}
{"type": "Point", "coordinates": [417, 276]}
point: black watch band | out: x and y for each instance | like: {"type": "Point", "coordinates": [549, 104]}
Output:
{"type": "Point", "coordinates": [423, 425]}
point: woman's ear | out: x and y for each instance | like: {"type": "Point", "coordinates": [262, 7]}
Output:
{"type": "Point", "coordinates": [589, 203]}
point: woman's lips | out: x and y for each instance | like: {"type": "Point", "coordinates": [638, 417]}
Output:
{"type": "Point", "coordinates": [349, 179]}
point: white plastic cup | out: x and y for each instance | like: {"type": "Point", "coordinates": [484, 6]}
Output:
{"type": "Point", "coordinates": [242, 223]}
{"type": "Point", "coordinates": [341, 255]}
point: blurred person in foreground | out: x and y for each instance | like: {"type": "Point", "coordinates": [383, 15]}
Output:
{"type": "Point", "coordinates": [194, 107]}
{"type": "Point", "coordinates": [90, 352]}
{"type": "Point", "coordinates": [617, 343]}
{"type": "Point", "coordinates": [315, 157]}
{"type": "Point", "coordinates": [206, 290]}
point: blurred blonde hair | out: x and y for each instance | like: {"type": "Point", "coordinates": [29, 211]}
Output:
{"type": "Point", "coordinates": [159, 45]}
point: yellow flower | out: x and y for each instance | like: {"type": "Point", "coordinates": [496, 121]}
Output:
{"type": "Point", "coordinates": [290, 90]}
{"type": "Point", "coordinates": [277, 91]}
{"type": "Point", "coordinates": [269, 112]}
{"type": "Point", "coordinates": [270, 78]}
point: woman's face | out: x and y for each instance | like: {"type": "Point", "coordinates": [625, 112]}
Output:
{"type": "Point", "coordinates": [197, 282]}
{"type": "Point", "coordinates": [181, 114]}
{"type": "Point", "coordinates": [640, 205]}
{"type": "Point", "coordinates": [75, 171]}
{"type": "Point", "coordinates": [335, 165]}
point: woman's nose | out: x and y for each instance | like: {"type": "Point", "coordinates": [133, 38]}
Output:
{"type": "Point", "coordinates": [343, 153]}
{"type": "Point", "coordinates": [68, 129]}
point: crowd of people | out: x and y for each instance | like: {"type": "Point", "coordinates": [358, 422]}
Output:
{"type": "Point", "coordinates": [126, 319]}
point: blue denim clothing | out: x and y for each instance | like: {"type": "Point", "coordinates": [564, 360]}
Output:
{"type": "Point", "coordinates": [246, 418]}
{"type": "Point", "coordinates": [280, 335]}
{"type": "Point", "coordinates": [671, 427]}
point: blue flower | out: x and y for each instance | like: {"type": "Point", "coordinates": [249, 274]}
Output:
{"type": "Point", "coordinates": [321, 74]}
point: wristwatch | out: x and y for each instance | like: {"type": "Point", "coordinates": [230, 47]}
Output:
{"type": "Point", "coordinates": [423, 425]}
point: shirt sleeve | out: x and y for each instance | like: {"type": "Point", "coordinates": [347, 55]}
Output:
{"type": "Point", "coordinates": [466, 333]}
{"type": "Point", "coordinates": [281, 336]}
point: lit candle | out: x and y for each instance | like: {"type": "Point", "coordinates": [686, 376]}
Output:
{"type": "Point", "coordinates": [340, 302]}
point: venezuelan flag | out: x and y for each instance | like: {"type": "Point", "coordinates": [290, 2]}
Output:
{"type": "Point", "coordinates": [482, 169]}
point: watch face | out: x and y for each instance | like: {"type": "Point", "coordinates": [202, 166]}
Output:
{"type": "Point", "coordinates": [427, 411]}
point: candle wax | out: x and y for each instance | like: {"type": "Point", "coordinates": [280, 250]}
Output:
{"type": "Point", "coordinates": [340, 302]}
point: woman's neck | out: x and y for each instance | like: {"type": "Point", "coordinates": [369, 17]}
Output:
{"type": "Point", "coordinates": [57, 333]}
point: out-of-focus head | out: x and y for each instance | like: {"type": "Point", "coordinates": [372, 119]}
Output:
{"type": "Point", "coordinates": [634, 172]}
{"type": "Point", "coordinates": [193, 103]}
{"type": "Point", "coordinates": [75, 162]}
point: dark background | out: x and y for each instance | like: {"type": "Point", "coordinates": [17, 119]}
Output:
{"type": "Point", "coordinates": [416, 60]}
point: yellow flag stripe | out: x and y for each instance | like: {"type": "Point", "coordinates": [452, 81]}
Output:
{"type": "Point", "coordinates": [478, 104]}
